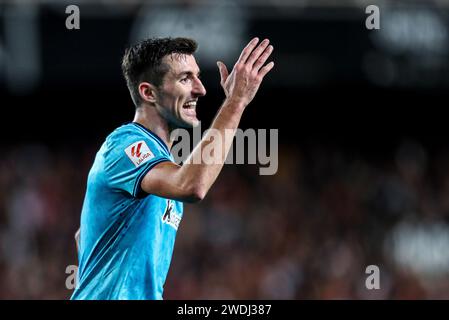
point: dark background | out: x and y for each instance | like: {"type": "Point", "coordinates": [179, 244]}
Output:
{"type": "Point", "coordinates": [362, 134]}
{"type": "Point", "coordinates": [319, 89]}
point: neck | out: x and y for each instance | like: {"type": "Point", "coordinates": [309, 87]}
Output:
{"type": "Point", "coordinates": [152, 120]}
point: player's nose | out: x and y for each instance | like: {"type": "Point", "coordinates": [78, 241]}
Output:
{"type": "Point", "coordinates": [198, 88]}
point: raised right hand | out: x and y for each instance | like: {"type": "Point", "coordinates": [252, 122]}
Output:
{"type": "Point", "coordinates": [242, 83]}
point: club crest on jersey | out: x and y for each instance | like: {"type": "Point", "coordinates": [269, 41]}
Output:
{"type": "Point", "coordinates": [169, 217]}
{"type": "Point", "coordinates": [139, 153]}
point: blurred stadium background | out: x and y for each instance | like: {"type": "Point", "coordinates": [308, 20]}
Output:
{"type": "Point", "coordinates": [363, 173]}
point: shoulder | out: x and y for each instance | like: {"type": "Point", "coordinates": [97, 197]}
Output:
{"type": "Point", "coordinates": [133, 139]}
{"type": "Point", "coordinates": [124, 133]}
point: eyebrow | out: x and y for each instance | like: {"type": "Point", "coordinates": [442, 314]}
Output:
{"type": "Point", "coordinates": [188, 73]}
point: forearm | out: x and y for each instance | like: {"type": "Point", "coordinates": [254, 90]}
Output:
{"type": "Point", "coordinates": [204, 164]}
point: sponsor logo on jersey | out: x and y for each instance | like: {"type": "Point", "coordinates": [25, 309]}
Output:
{"type": "Point", "coordinates": [139, 153]}
{"type": "Point", "coordinates": [169, 217]}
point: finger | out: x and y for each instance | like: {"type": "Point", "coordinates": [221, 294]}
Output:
{"type": "Point", "coordinates": [223, 71]}
{"type": "Point", "coordinates": [266, 69]}
{"type": "Point", "coordinates": [257, 52]}
{"type": "Point", "coordinates": [263, 58]}
{"type": "Point", "coordinates": [247, 50]}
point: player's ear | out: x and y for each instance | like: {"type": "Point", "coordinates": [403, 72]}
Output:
{"type": "Point", "coordinates": [147, 92]}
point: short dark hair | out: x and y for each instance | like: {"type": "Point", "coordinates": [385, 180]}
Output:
{"type": "Point", "coordinates": [143, 61]}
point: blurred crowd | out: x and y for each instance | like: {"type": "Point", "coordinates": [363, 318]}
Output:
{"type": "Point", "coordinates": [308, 232]}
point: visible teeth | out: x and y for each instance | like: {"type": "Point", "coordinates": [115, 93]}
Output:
{"type": "Point", "coordinates": [190, 104]}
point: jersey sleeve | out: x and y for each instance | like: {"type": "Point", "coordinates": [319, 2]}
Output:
{"type": "Point", "coordinates": [131, 156]}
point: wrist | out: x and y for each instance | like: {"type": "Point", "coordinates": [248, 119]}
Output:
{"type": "Point", "coordinates": [235, 104]}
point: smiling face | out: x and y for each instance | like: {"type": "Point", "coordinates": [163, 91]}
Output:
{"type": "Point", "coordinates": [177, 96]}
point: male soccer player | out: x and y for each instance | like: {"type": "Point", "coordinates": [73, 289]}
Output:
{"type": "Point", "coordinates": [133, 202]}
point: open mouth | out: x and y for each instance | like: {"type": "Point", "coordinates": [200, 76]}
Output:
{"type": "Point", "coordinates": [190, 108]}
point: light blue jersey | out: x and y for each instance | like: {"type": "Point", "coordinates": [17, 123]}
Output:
{"type": "Point", "coordinates": [127, 236]}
